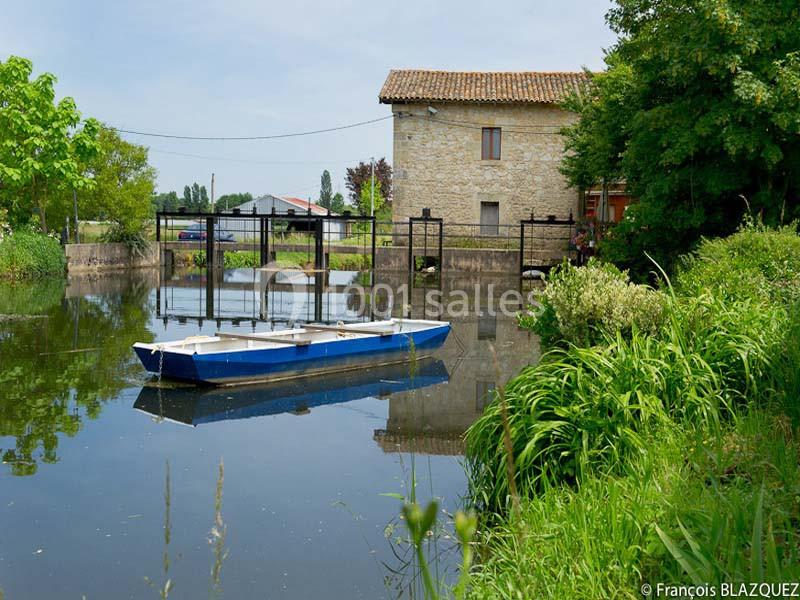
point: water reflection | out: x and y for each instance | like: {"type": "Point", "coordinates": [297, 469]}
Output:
{"type": "Point", "coordinates": [63, 355]}
{"type": "Point", "coordinates": [303, 509]}
{"type": "Point", "coordinates": [196, 406]}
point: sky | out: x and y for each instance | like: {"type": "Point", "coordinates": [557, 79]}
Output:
{"type": "Point", "coordinates": [250, 67]}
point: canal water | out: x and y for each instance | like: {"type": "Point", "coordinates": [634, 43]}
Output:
{"type": "Point", "coordinates": [109, 486]}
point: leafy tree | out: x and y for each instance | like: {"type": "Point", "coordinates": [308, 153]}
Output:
{"type": "Point", "coordinates": [42, 144]}
{"type": "Point", "coordinates": [325, 190]}
{"type": "Point", "coordinates": [168, 201]}
{"type": "Point", "coordinates": [234, 200]}
{"type": "Point", "coordinates": [124, 184]}
{"type": "Point", "coordinates": [195, 198]}
{"type": "Point", "coordinates": [359, 174]}
{"type": "Point", "coordinates": [337, 203]}
{"type": "Point", "coordinates": [200, 201]}
{"type": "Point", "coordinates": [699, 109]}
{"type": "Point", "coordinates": [371, 199]}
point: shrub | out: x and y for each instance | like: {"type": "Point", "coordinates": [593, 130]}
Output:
{"type": "Point", "coordinates": [27, 254]}
{"type": "Point", "coordinates": [754, 262]}
{"type": "Point", "coordinates": [581, 305]}
{"type": "Point", "coordinates": [134, 239]}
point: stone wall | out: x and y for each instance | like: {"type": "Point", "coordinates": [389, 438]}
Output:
{"type": "Point", "coordinates": [95, 257]}
{"type": "Point", "coordinates": [438, 165]}
{"type": "Point", "coordinates": [460, 260]}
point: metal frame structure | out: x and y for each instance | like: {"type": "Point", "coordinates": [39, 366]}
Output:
{"type": "Point", "coordinates": [549, 222]}
{"type": "Point", "coordinates": [263, 240]}
{"type": "Point", "coordinates": [425, 220]}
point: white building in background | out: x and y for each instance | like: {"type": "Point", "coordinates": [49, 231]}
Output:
{"type": "Point", "coordinates": [248, 228]}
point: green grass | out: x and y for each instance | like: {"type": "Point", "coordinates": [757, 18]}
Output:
{"type": "Point", "coordinates": [668, 456]}
{"type": "Point", "coordinates": [605, 537]}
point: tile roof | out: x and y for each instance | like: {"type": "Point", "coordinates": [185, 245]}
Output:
{"type": "Point", "coordinates": [305, 204]}
{"type": "Point", "coordinates": [413, 85]}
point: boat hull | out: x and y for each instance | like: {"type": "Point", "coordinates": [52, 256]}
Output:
{"type": "Point", "coordinates": [273, 364]}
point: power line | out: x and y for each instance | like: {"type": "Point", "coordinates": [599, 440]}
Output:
{"type": "Point", "coordinates": [252, 161]}
{"type": "Point", "coordinates": [254, 137]}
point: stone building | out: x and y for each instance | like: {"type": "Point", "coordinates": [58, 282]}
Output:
{"type": "Point", "coordinates": [480, 147]}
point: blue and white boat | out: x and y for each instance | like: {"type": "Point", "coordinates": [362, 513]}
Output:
{"type": "Point", "coordinates": [237, 358]}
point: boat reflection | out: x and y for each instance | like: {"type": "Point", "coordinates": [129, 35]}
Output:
{"type": "Point", "coordinates": [196, 406]}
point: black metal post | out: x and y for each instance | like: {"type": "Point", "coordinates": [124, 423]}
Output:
{"type": "Point", "coordinates": [521, 246]}
{"type": "Point", "coordinates": [319, 247]}
{"type": "Point", "coordinates": [263, 242]}
{"type": "Point", "coordinates": [318, 287]}
{"type": "Point", "coordinates": [210, 267]}
{"type": "Point", "coordinates": [441, 243]}
{"type": "Point", "coordinates": [158, 227]}
{"type": "Point", "coordinates": [410, 246]}
{"type": "Point", "coordinates": [374, 237]}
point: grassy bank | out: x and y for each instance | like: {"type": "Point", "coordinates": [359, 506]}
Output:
{"type": "Point", "coordinates": [657, 440]}
{"type": "Point", "coordinates": [25, 255]}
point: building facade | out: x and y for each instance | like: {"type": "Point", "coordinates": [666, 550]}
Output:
{"type": "Point", "coordinates": [480, 148]}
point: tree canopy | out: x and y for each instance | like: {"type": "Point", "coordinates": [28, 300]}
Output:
{"type": "Point", "coordinates": [699, 112]}
{"type": "Point", "coordinates": [195, 198]}
{"type": "Point", "coordinates": [337, 203]}
{"type": "Point", "coordinates": [43, 144]}
{"type": "Point", "coordinates": [233, 200]}
{"type": "Point", "coordinates": [325, 190]}
{"type": "Point", "coordinates": [359, 174]}
{"type": "Point", "coordinates": [123, 184]}
{"type": "Point", "coordinates": [370, 199]}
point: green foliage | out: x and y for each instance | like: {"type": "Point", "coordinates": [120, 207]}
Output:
{"type": "Point", "coordinates": [337, 203]}
{"type": "Point", "coordinates": [195, 198]}
{"type": "Point", "coordinates": [124, 183]}
{"type": "Point", "coordinates": [583, 408]}
{"type": "Point", "coordinates": [136, 241]}
{"type": "Point", "coordinates": [233, 200]}
{"type": "Point", "coordinates": [698, 108]}
{"type": "Point", "coordinates": [325, 190]}
{"type": "Point", "coordinates": [166, 202]}
{"type": "Point", "coordinates": [43, 146]}
{"type": "Point", "coordinates": [26, 254]}
{"type": "Point", "coordinates": [371, 200]}
{"type": "Point", "coordinates": [714, 500]}
{"type": "Point", "coordinates": [583, 305]}
{"type": "Point", "coordinates": [362, 173]}
{"type": "Point", "coordinates": [756, 262]}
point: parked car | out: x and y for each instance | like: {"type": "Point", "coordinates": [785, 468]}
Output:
{"type": "Point", "coordinates": [197, 231]}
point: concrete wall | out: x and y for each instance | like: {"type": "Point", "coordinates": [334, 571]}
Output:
{"type": "Point", "coordinates": [468, 260]}
{"type": "Point", "coordinates": [95, 257]}
{"type": "Point", "coordinates": [438, 165]}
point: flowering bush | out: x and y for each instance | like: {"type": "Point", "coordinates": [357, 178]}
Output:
{"type": "Point", "coordinates": [5, 228]}
{"type": "Point", "coordinates": [580, 305]}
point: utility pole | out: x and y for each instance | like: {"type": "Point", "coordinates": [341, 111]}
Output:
{"type": "Point", "coordinates": [75, 210]}
{"type": "Point", "coordinates": [372, 186]}
{"type": "Point", "coordinates": [213, 208]}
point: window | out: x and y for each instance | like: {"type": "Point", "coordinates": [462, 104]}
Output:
{"type": "Point", "coordinates": [490, 218]}
{"type": "Point", "coordinates": [490, 146]}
